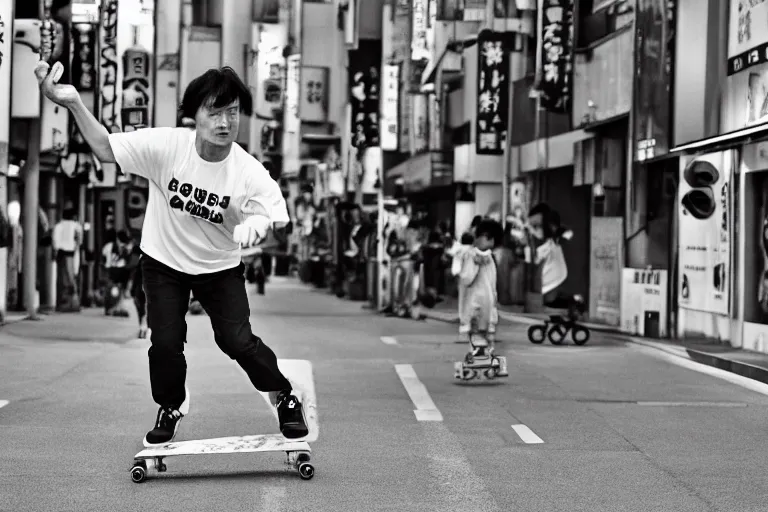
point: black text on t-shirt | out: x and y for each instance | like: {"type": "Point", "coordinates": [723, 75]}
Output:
{"type": "Point", "coordinates": [203, 204]}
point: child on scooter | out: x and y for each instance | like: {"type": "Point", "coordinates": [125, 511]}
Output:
{"type": "Point", "coordinates": [476, 269]}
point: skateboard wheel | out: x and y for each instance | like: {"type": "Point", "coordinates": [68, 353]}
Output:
{"type": "Point", "coordinates": [306, 470]}
{"type": "Point", "coordinates": [138, 474]}
{"type": "Point", "coordinates": [490, 373]}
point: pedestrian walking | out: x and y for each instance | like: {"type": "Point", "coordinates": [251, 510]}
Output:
{"type": "Point", "coordinates": [67, 238]}
{"type": "Point", "coordinates": [207, 196]}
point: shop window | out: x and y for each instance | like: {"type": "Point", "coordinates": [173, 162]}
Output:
{"type": "Point", "coordinates": [756, 248]}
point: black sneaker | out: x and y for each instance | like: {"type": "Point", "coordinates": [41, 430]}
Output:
{"type": "Point", "coordinates": [291, 416]}
{"type": "Point", "coordinates": [167, 423]}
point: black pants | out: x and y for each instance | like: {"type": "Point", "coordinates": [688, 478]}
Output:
{"type": "Point", "coordinates": [223, 296]}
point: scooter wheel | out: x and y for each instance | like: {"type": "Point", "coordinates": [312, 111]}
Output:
{"type": "Point", "coordinates": [557, 334]}
{"type": "Point", "coordinates": [536, 334]}
{"type": "Point", "coordinates": [580, 335]}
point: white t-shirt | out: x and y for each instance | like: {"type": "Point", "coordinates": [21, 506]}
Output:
{"type": "Point", "coordinates": [66, 235]}
{"type": "Point", "coordinates": [194, 205]}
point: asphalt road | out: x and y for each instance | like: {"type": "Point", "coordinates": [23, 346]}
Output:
{"type": "Point", "coordinates": [607, 427]}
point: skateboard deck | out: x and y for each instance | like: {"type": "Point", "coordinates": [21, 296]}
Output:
{"type": "Point", "coordinates": [299, 373]}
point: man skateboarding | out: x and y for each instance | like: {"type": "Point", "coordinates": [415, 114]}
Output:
{"type": "Point", "coordinates": [207, 196]}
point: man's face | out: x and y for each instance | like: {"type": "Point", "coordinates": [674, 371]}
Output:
{"type": "Point", "coordinates": [218, 126]}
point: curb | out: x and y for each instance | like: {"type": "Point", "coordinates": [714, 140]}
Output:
{"type": "Point", "coordinates": [744, 369]}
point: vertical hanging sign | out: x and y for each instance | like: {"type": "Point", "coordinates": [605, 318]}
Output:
{"type": "Point", "coordinates": [492, 93]}
{"type": "Point", "coordinates": [136, 96]}
{"type": "Point", "coordinates": [364, 83]}
{"type": "Point", "coordinates": [109, 108]}
{"type": "Point", "coordinates": [556, 55]}
{"type": "Point", "coordinates": [83, 52]}
{"type": "Point", "coordinates": [109, 78]}
{"type": "Point", "coordinates": [390, 96]}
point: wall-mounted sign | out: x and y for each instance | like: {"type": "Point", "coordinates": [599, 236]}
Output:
{"type": "Point", "coordinates": [492, 93]}
{"type": "Point", "coordinates": [556, 42]}
{"type": "Point", "coordinates": [364, 84]}
{"type": "Point", "coordinates": [390, 95]}
{"type": "Point", "coordinates": [747, 83]}
{"type": "Point", "coordinates": [314, 94]}
{"type": "Point", "coordinates": [419, 27]}
{"type": "Point", "coordinates": [292, 91]}
{"type": "Point", "coordinates": [644, 302]}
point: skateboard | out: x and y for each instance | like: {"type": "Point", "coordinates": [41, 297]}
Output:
{"type": "Point", "coordinates": [481, 358]}
{"type": "Point", "coordinates": [298, 451]}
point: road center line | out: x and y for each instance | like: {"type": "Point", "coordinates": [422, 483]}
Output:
{"type": "Point", "coordinates": [526, 434]}
{"type": "Point", "coordinates": [425, 407]}
{"type": "Point", "coordinates": [389, 340]}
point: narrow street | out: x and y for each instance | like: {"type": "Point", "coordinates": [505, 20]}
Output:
{"type": "Point", "coordinates": [612, 426]}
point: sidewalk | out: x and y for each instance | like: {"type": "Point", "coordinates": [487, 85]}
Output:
{"type": "Point", "coordinates": [90, 324]}
{"type": "Point", "coordinates": [753, 365]}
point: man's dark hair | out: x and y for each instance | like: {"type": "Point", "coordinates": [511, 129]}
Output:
{"type": "Point", "coordinates": [491, 229]}
{"type": "Point", "coordinates": [216, 88]}
{"type": "Point", "coordinates": [69, 214]}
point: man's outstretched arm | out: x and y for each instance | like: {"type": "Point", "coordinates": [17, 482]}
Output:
{"type": "Point", "coordinates": [94, 133]}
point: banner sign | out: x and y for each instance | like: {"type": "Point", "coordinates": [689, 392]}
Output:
{"type": "Point", "coordinates": [492, 93]}
{"type": "Point", "coordinates": [705, 232]}
{"type": "Point", "coordinates": [390, 96]}
{"type": "Point", "coordinates": [83, 66]}
{"type": "Point", "coordinates": [654, 62]}
{"type": "Point", "coordinates": [556, 55]}
{"type": "Point", "coordinates": [419, 39]}
{"type": "Point", "coordinates": [747, 84]}
{"type": "Point", "coordinates": [292, 91]}
{"type": "Point", "coordinates": [364, 84]}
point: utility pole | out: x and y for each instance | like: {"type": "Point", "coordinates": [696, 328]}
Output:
{"type": "Point", "coordinates": [30, 216]}
{"type": "Point", "coordinates": [6, 48]}
{"type": "Point", "coordinates": [32, 178]}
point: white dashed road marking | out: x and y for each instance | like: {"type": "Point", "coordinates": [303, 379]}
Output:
{"type": "Point", "coordinates": [3, 403]}
{"type": "Point", "coordinates": [526, 434]}
{"type": "Point", "coordinates": [425, 407]}
{"type": "Point", "coordinates": [389, 340]}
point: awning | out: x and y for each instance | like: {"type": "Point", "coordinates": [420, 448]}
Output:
{"type": "Point", "coordinates": [727, 139]}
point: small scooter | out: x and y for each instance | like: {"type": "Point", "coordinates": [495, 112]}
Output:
{"type": "Point", "coordinates": [558, 326]}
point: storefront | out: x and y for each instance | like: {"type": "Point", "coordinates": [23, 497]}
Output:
{"type": "Point", "coordinates": [752, 263]}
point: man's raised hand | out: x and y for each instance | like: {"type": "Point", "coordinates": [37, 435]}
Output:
{"type": "Point", "coordinates": [48, 79]}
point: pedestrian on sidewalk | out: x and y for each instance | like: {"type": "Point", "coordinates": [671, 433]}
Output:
{"type": "Point", "coordinates": [207, 196]}
{"type": "Point", "coordinates": [67, 238]}
{"type": "Point", "coordinates": [116, 255]}
{"type": "Point", "coordinates": [476, 270]}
